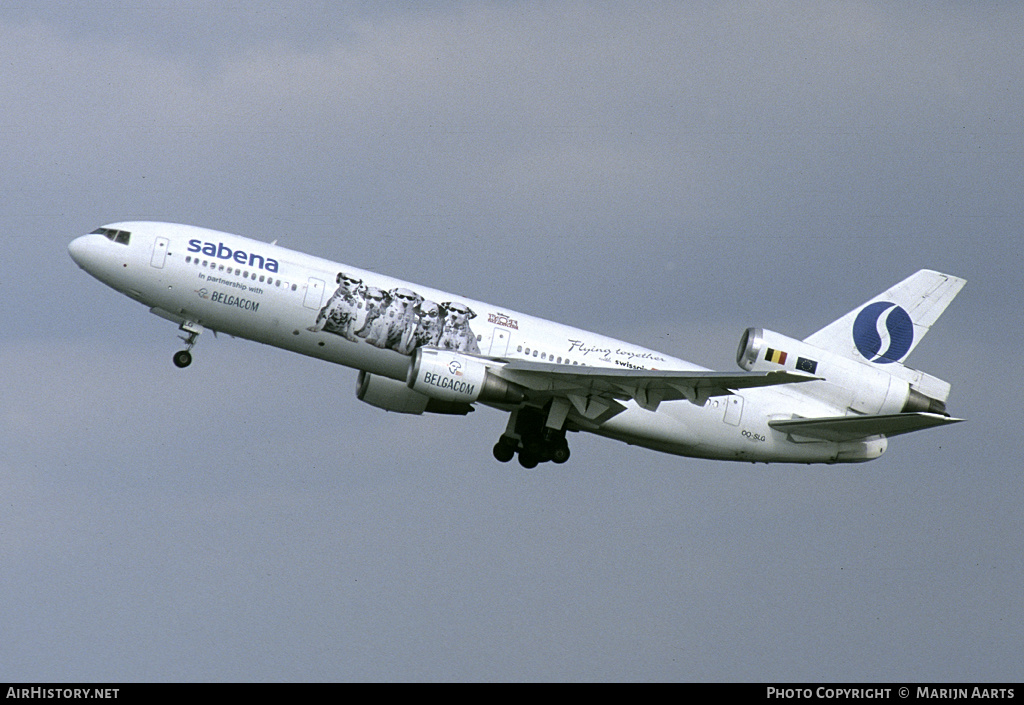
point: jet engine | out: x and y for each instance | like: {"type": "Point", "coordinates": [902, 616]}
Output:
{"type": "Point", "coordinates": [451, 376]}
{"type": "Point", "coordinates": [846, 382]}
{"type": "Point", "coordinates": [394, 395]}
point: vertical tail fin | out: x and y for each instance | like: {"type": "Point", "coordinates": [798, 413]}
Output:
{"type": "Point", "coordinates": [887, 328]}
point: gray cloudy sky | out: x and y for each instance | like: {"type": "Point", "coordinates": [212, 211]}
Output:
{"type": "Point", "coordinates": [668, 173]}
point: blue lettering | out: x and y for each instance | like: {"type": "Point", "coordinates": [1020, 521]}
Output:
{"type": "Point", "coordinates": [222, 251]}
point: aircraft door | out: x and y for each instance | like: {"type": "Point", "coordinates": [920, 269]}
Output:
{"type": "Point", "coordinates": [159, 253]}
{"type": "Point", "coordinates": [499, 342]}
{"type": "Point", "coordinates": [314, 293]}
{"type": "Point", "coordinates": [733, 409]}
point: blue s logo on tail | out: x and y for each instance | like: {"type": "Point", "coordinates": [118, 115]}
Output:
{"type": "Point", "coordinates": [899, 329]}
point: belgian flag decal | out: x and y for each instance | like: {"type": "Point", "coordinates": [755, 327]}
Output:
{"type": "Point", "coordinates": [776, 356]}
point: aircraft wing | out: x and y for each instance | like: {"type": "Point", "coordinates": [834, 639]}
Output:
{"type": "Point", "coordinates": [594, 391]}
{"type": "Point", "coordinates": [849, 428]}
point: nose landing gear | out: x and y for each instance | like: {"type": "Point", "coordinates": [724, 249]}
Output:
{"type": "Point", "coordinates": [183, 358]}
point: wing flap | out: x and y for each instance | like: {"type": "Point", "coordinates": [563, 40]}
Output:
{"type": "Point", "coordinates": [647, 387]}
{"type": "Point", "coordinates": [850, 428]}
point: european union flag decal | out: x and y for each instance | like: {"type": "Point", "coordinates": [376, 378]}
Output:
{"type": "Point", "coordinates": [805, 365]}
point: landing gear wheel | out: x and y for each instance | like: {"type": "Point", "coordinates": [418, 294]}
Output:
{"type": "Point", "coordinates": [528, 461]}
{"type": "Point", "coordinates": [559, 454]}
{"type": "Point", "coordinates": [182, 358]}
{"type": "Point", "coordinates": [504, 452]}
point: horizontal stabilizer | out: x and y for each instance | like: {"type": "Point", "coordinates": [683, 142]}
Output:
{"type": "Point", "coordinates": [850, 428]}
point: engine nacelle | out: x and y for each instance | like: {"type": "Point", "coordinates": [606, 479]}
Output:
{"type": "Point", "coordinates": [394, 395]}
{"type": "Point", "coordinates": [450, 376]}
{"type": "Point", "coordinates": [846, 383]}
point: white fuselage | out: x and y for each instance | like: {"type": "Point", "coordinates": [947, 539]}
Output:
{"type": "Point", "coordinates": [337, 313]}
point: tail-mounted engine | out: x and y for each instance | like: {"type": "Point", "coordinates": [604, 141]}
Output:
{"type": "Point", "coordinates": [846, 382]}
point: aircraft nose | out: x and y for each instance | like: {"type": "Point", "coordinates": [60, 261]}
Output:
{"type": "Point", "coordinates": [88, 253]}
{"type": "Point", "coordinates": [79, 250]}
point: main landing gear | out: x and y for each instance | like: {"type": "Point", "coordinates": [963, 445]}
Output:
{"type": "Point", "coordinates": [183, 358]}
{"type": "Point", "coordinates": [529, 436]}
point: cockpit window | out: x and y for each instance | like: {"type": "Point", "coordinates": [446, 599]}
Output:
{"type": "Point", "coordinates": [119, 236]}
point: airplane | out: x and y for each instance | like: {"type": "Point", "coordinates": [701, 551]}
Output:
{"type": "Point", "coordinates": [836, 396]}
